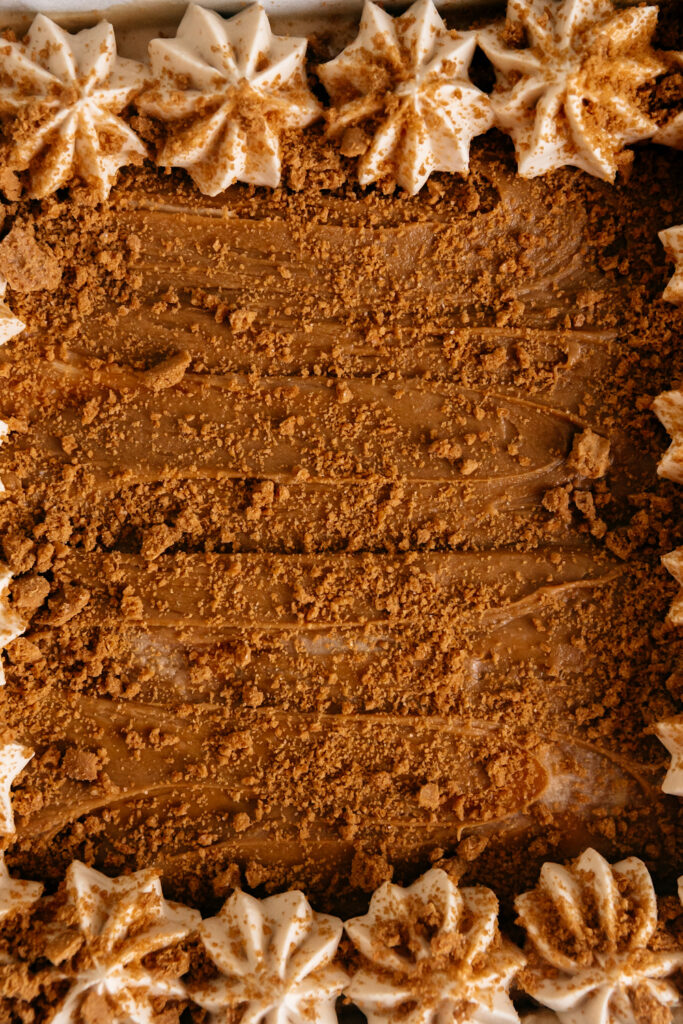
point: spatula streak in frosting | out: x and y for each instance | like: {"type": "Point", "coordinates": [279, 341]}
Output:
{"type": "Point", "coordinates": [569, 96]}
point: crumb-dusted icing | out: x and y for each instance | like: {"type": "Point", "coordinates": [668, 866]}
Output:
{"type": "Point", "coordinates": [275, 959]}
{"type": "Point", "coordinates": [15, 894]}
{"type": "Point", "coordinates": [670, 732]}
{"type": "Point", "coordinates": [672, 240]}
{"type": "Point", "coordinates": [99, 941]}
{"type": "Point", "coordinates": [10, 325]}
{"type": "Point", "coordinates": [670, 133]}
{"type": "Point", "coordinates": [13, 759]}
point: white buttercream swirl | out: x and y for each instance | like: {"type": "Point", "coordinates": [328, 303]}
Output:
{"type": "Point", "coordinates": [669, 408]}
{"type": "Point", "coordinates": [275, 961]}
{"type": "Point", "coordinates": [671, 133]}
{"type": "Point", "coordinates": [670, 732]}
{"type": "Point", "coordinates": [60, 94]}
{"type": "Point", "coordinates": [11, 624]}
{"type": "Point", "coordinates": [433, 953]}
{"type": "Point", "coordinates": [672, 240]}
{"type": "Point", "coordinates": [568, 98]}
{"type": "Point", "coordinates": [15, 894]}
{"type": "Point", "coordinates": [225, 90]}
{"type": "Point", "coordinates": [673, 562]}
{"type": "Point", "coordinates": [402, 88]}
{"type": "Point", "coordinates": [13, 759]}
{"type": "Point", "coordinates": [590, 929]}
{"type": "Point", "coordinates": [118, 922]}
{"type": "Point", "coordinates": [10, 325]}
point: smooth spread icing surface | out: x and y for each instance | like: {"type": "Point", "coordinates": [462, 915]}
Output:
{"type": "Point", "coordinates": [259, 523]}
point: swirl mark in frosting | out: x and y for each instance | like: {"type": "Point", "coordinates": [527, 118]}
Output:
{"type": "Point", "coordinates": [431, 953]}
{"type": "Point", "coordinates": [60, 95]}
{"type": "Point", "coordinates": [592, 958]}
{"type": "Point", "coordinates": [402, 98]}
{"type": "Point", "coordinates": [225, 89]}
{"type": "Point", "coordinates": [569, 98]}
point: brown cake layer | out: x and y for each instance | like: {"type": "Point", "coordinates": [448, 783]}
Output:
{"type": "Point", "coordinates": [335, 519]}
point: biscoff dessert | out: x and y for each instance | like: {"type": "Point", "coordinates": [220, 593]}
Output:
{"type": "Point", "coordinates": [339, 579]}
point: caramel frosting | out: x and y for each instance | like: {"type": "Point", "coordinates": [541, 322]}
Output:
{"type": "Point", "coordinates": [13, 759]}
{"type": "Point", "coordinates": [670, 732]}
{"type": "Point", "coordinates": [108, 926]}
{"type": "Point", "coordinates": [594, 953]}
{"type": "Point", "coordinates": [225, 90]}
{"type": "Point", "coordinates": [672, 240]}
{"type": "Point", "coordinates": [310, 514]}
{"type": "Point", "coordinates": [569, 97]}
{"type": "Point", "coordinates": [60, 95]}
{"type": "Point", "coordinates": [274, 959]}
{"type": "Point", "coordinates": [15, 894]}
{"type": "Point", "coordinates": [432, 952]}
{"type": "Point", "coordinates": [401, 97]}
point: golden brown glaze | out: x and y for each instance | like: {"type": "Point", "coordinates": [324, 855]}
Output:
{"type": "Point", "coordinates": [336, 528]}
